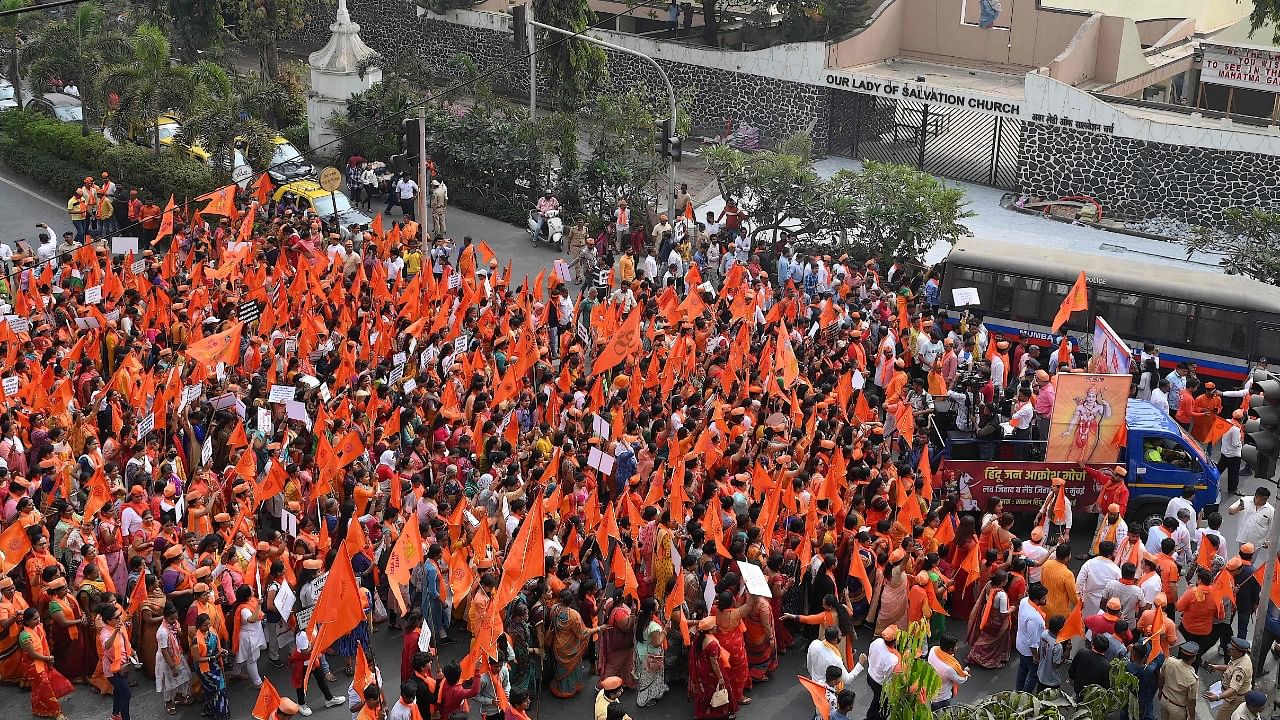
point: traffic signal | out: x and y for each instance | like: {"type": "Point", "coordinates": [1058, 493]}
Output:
{"type": "Point", "coordinates": [1263, 427]}
{"type": "Point", "coordinates": [520, 27]}
{"type": "Point", "coordinates": [666, 143]}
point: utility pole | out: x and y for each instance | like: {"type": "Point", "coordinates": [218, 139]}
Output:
{"type": "Point", "coordinates": [531, 46]}
{"type": "Point", "coordinates": [1266, 408]}
{"type": "Point", "coordinates": [671, 93]}
{"type": "Point", "coordinates": [423, 189]}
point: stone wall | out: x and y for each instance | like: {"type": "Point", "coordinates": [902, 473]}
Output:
{"type": "Point", "coordinates": [778, 107]}
{"type": "Point", "coordinates": [1139, 178]}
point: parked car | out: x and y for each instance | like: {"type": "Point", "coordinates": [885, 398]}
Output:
{"type": "Point", "coordinates": [63, 107]}
{"type": "Point", "coordinates": [311, 196]}
{"type": "Point", "coordinates": [8, 99]}
{"type": "Point", "coordinates": [287, 163]}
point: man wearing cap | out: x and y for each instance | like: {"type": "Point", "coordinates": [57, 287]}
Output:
{"type": "Point", "coordinates": [1256, 515]}
{"type": "Point", "coordinates": [1178, 684]}
{"type": "Point", "coordinates": [1255, 701]}
{"type": "Point", "coordinates": [1237, 679]}
{"type": "Point", "coordinates": [1232, 444]}
{"type": "Point", "coordinates": [883, 659]}
{"type": "Point", "coordinates": [610, 692]}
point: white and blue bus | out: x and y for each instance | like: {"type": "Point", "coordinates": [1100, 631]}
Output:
{"type": "Point", "coordinates": [1223, 323]}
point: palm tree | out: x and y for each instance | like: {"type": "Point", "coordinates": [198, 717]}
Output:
{"type": "Point", "coordinates": [9, 26]}
{"type": "Point", "coordinates": [96, 45]}
{"type": "Point", "coordinates": [224, 119]}
{"type": "Point", "coordinates": [147, 84]}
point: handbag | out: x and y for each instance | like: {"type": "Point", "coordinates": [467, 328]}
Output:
{"type": "Point", "coordinates": [379, 609]}
{"type": "Point", "coordinates": [720, 698]}
{"type": "Point", "coordinates": [655, 661]}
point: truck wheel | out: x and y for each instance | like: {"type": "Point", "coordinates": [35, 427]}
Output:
{"type": "Point", "coordinates": [1149, 512]}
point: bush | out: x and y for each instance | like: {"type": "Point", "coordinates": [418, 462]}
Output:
{"type": "Point", "coordinates": [298, 135]}
{"type": "Point", "coordinates": [57, 156]}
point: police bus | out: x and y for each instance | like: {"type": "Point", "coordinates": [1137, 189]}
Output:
{"type": "Point", "coordinates": [1223, 323]}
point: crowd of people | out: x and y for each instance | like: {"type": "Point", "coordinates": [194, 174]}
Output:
{"type": "Point", "coordinates": [262, 438]}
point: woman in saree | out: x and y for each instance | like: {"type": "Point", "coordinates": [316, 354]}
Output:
{"type": "Point", "coordinates": [779, 585]}
{"type": "Point", "coordinates": [650, 655]}
{"type": "Point", "coordinates": [173, 677]}
{"type": "Point", "coordinates": [147, 623]}
{"type": "Point", "coordinates": [967, 592]}
{"type": "Point", "coordinates": [569, 638]}
{"type": "Point", "coordinates": [708, 671]}
{"type": "Point", "coordinates": [70, 636]}
{"type": "Point", "coordinates": [729, 634]}
{"type": "Point", "coordinates": [759, 639]}
{"type": "Point", "coordinates": [616, 656]}
{"type": "Point", "coordinates": [526, 664]}
{"type": "Point", "coordinates": [48, 686]}
{"type": "Point", "coordinates": [664, 568]}
{"type": "Point", "coordinates": [990, 626]}
{"type": "Point", "coordinates": [890, 606]}
{"type": "Point", "coordinates": [11, 656]}
{"type": "Point", "coordinates": [208, 656]}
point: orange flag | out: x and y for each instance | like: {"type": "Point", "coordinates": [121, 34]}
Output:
{"type": "Point", "coordinates": [972, 565]}
{"type": "Point", "coordinates": [1075, 623]}
{"type": "Point", "coordinates": [166, 224]}
{"type": "Point", "coordinates": [340, 607]}
{"type": "Point", "coordinates": [15, 544]}
{"type": "Point", "coordinates": [622, 344]}
{"type": "Point", "coordinates": [405, 556]}
{"type": "Point", "coordinates": [272, 485]}
{"type": "Point", "coordinates": [674, 598]}
{"type": "Point", "coordinates": [1219, 428]}
{"type": "Point", "coordinates": [238, 438]}
{"type": "Point", "coordinates": [268, 701]}
{"type": "Point", "coordinates": [1260, 575]}
{"type": "Point", "coordinates": [1075, 301]}
{"type": "Point", "coordinates": [625, 575]}
{"type": "Point", "coordinates": [819, 695]}
{"type": "Point", "coordinates": [525, 557]}
{"type": "Point", "coordinates": [138, 596]}
{"type": "Point", "coordinates": [859, 571]}
{"type": "Point", "coordinates": [461, 577]}
{"type": "Point", "coordinates": [347, 450]}
{"type": "Point", "coordinates": [946, 532]}
{"type": "Point", "coordinates": [99, 495]}
{"type": "Point", "coordinates": [363, 676]}
{"type": "Point", "coordinates": [220, 347]}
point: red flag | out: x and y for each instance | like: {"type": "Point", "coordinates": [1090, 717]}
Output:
{"type": "Point", "coordinates": [1075, 301]}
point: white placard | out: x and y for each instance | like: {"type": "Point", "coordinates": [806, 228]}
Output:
{"type": "Point", "coordinates": [600, 427]}
{"type": "Point", "coordinates": [206, 452]}
{"type": "Point", "coordinates": [297, 411]}
{"type": "Point", "coordinates": [265, 426]}
{"type": "Point", "coordinates": [282, 393]}
{"type": "Point", "coordinates": [399, 358]}
{"type": "Point", "coordinates": [11, 386]}
{"type": "Point", "coordinates": [285, 599]}
{"type": "Point", "coordinates": [138, 267]}
{"type": "Point", "coordinates": [124, 245]}
{"type": "Point", "coordinates": [18, 324]}
{"type": "Point", "coordinates": [113, 316]}
{"type": "Point", "coordinates": [93, 295]}
{"type": "Point", "coordinates": [600, 460]}
{"type": "Point", "coordinates": [754, 580]}
{"type": "Point", "coordinates": [397, 372]}
{"type": "Point", "coordinates": [223, 401]}
{"type": "Point", "coordinates": [562, 270]}
{"type": "Point", "coordinates": [241, 410]}
{"type": "Point", "coordinates": [410, 385]}
{"type": "Point", "coordinates": [180, 509]}
{"type": "Point", "coordinates": [424, 637]}
{"type": "Point", "coordinates": [965, 296]}
{"type": "Point", "coordinates": [146, 425]}
{"type": "Point", "coordinates": [288, 523]}
{"type": "Point", "coordinates": [460, 344]}
{"type": "Point", "coordinates": [86, 323]}
{"type": "Point", "coordinates": [325, 395]}
{"type": "Point", "coordinates": [859, 380]}
{"type": "Point", "coordinates": [290, 346]}
{"type": "Point", "coordinates": [455, 281]}
{"type": "Point", "coordinates": [1242, 67]}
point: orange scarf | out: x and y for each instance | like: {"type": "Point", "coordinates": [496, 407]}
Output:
{"type": "Point", "coordinates": [1060, 506]}
{"type": "Point", "coordinates": [252, 605]}
{"type": "Point", "coordinates": [950, 661]}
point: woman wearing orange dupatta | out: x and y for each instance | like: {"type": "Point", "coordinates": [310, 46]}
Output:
{"type": "Point", "coordinates": [70, 635]}
{"type": "Point", "coordinates": [48, 686]}
{"type": "Point", "coordinates": [990, 626]}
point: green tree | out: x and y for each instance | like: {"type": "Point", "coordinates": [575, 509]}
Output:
{"type": "Point", "coordinates": [75, 50]}
{"type": "Point", "coordinates": [574, 67]}
{"type": "Point", "coordinates": [230, 116]}
{"type": "Point", "coordinates": [146, 84]}
{"type": "Point", "coordinates": [9, 26]}
{"type": "Point", "coordinates": [1266, 12]}
{"type": "Point", "coordinates": [264, 23]}
{"type": "Point", "coordinates": [906, 690]}
{"type": "Point", "coordinates": [1249, 241]}
{"type": "Point", "coordinates": [196, 26]}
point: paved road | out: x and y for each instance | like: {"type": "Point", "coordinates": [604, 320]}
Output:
{"type": "Point", "coordinates": [781, 698]}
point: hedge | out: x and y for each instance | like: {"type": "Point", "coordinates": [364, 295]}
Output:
{"type": "Point", "coordinates": [56, 155]}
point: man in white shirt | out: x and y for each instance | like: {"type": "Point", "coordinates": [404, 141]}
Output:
{"type": "Point", "coordinates": [1181, 503]}
{"type": "Point", "coordinates": [1232, 442]}
{"type": "Point", "coordinates": [1030, 627]}
{"type": "Point", "coordinates": [1094, 575]}
{"type": "Point", "coordinates": [883, 659]}
{"type": "Point", "coordinates": [1035, 553]}
{"type": "Point", "coordinates": [941, 658]}
{"type": "Point", "coordinates": [824, 653]}
{"type": "Point", "coordinates": [406, 190]}
{"type": "Point", "coordinates": [1254, 525]}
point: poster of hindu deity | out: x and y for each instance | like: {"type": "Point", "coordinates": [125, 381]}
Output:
{"type": "Point", "coordinates": [1088, 418]}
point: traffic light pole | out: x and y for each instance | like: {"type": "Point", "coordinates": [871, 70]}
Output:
{"type": "Point", "coordinates": [671, 93]}
{"type": "Point", "coordinates": [1266, 381]}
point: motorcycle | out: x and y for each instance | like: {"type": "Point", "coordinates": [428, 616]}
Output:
{"type": "Point", "coordinates": [552, 233]}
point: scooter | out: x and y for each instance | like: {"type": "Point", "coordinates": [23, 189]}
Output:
{"type": "Point", "coordinates": [553, 233]}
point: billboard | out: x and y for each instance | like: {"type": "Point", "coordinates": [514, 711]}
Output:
{"type": "Point", "coordinates": [1087, 424]}
{"type": "Point", "coordinates": [1111, 356]}
{"type": "Point", "coordinates": [1242, 67]}
{"type": "Point", "coordinates": [1022, 486]}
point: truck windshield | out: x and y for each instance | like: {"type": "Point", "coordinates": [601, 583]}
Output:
{"type": "Point", "coordinates": [1167, 451]}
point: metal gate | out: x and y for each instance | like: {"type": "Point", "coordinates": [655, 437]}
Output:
{"type": "Point", "coordinates": [957, 144]}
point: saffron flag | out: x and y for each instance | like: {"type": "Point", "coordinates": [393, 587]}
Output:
{"type": "Point", "coordinates": [623, 344]}
{"type": "Point", "coordinates": [15, 544]}
{"type": "Point", "coordinates": [138, 596]}
{"type": "Point", "coordinates": [219, 347]}
{"type": "Point", "coordinates": [461, 577]}
{"type": "Point", "coordinates": [1075, 623]}
{"type": "Point", "coordinates": [525, 557]}
{"type": "Point", "coordinates": [819, 695]}
{"type": "Point", "coordinates": [268, 701]}
{"type": "Point", "coordinates": [1075, 301]}
{"type": "Point", "coordinates": [405, 556]}
{"type": "Point", "coordinates": [340, 607]}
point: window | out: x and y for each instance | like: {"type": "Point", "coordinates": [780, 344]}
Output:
{"type": "Point", "coordinates": [1163, 451]}
{"type": "Point", "coordinates": [1222, 331]}
{"type": "Point", "coordinates": [1121, 311]}
{"type": "Point", "coordinates": [980, 279]}
{"type": "Point", "coordinates": [1268, 343]}
{"type": "Point", "coordinates": [1052, 301]}
{"type": "Point", "coordinates": [1168, 321]}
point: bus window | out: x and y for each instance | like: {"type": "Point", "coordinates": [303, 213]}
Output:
{"type": "Point", "coordinates": [1168, 321]}
{"type": "Point", "coordinates": [1220, 329]}
{"type": "Point", "coordinates": [980, 279]}
{"type": "Point", "coordinates": [1268, 343]}
{"type": "Point", "coordinates": [1120, 310]}
{"type": "Point", "coordinates": [1052, 300]}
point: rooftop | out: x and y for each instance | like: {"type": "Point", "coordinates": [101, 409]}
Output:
{"type": "Point", "coordinates": [909, 69]}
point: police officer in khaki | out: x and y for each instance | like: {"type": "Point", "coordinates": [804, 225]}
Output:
{"type": "Point", "coordinates": [1178, 684]}
{"type": "Point", "coordinates": [1237, 679]}
{"type": "Point", "coordinates": [1255, 701]}
{"type": "Point", "coordinates": [439, 206]}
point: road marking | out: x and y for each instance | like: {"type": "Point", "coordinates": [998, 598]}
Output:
{"type": "Point", "coordinates": [32, 193]}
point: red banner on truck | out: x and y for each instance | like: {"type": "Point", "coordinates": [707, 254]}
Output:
{"type": "Point", "coordinates": [1022, 486]}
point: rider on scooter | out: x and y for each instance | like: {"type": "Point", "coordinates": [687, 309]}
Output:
{"type": "Point", "coordinates": [545, 203]}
